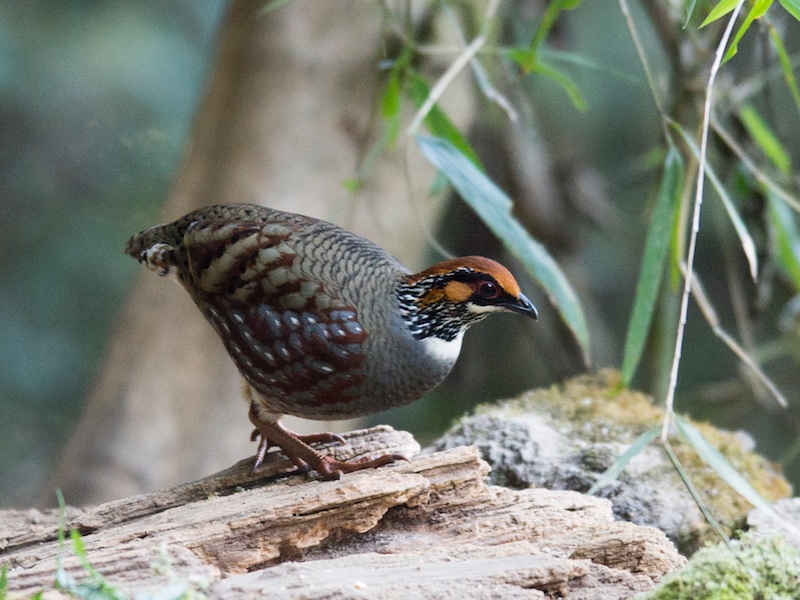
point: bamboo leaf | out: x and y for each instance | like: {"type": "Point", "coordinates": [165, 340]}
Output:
{"type": "Point", "coordinates": [690, 5]}
{"type": "Point", "coordinates": [748, 246]}
{"type": "Point", "coordinates": [611, 474]}
{"type": "Point", "coordinates": [766, 139]}
{"type": "Point", "coordinates": [677, 244]}
{"type": "Point", "coordinates": [391, 103]}
{"type": "Point", "coordinates": [786, 62]}
{"type": "Point", "coordinates": [564, 81]}
{"type": "Point", "coordinates": [784, 238]}
{"type": "Point", "coordinates": [694, 493]}
{"type": "Point", "coordinates": [719, 11]}
{"type": "Point", "coordinates": [437, 121]}
{"type": "Point", "coordinates": [493, 206]}
{"type": "Point", "coordinates": [527, 59]}
{"type": "Point", "coordinates": [720, 465]}
{"type": "Point", "coordinates": [792, 7]}
{"type": "Point", "coordinates": [756, 12]}
{"type": "Point", "coordinates": [655, 254]}
{"type": "Point", "coordinates": [552, 57]}
{"type": "Point", "coordinates": [273, 5]}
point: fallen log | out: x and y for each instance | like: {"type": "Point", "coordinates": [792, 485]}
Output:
{"type": "Point", "coordinates": [430, 527]}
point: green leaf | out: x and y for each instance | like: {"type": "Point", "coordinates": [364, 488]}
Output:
{"type": "Point", "coordinates": [786, 62]}
{"type": "Point", "coordinates": [527, 59]}
{"type": "Point", "coordinates": [748, 246]}
{"type": "Point", "coordinates": [611, 474]}
{"type": "Point", "coordinates": [272, 5]}
{"type": "Point", "coordinates": [391, 103]}
{"type": "Point", "coordinates": [756, 12]}
{"type": "Point", "coordinates": [677, 245]}
{"type": "Point", "coordinates": [437, 121]}
{"type": "Point", "coordinates": [766, 139]}
{"type": "Point", "coordinates": [63, 580]}
{"type": "Point", "coordinates": [698, 500]}
{"type": "Point", "coordinates": [655, 254]}
{"type": "Point", "coordinates": [792, 7]}
{"type": "Point", "coordinates": [352, 184]}
{"type": "Point", "coordinates": [518, 55]}
{"type": "Point", "coordinates": [719, 11]}
{"type": "Point", "coordinates": [689, 12]}
{"type": "Point", "coordinates": [3, 581]}
{"type": "Point", "coordinates": [720, 465]}
{"type": "Point", "coordinates": [552, 57]}
{"type": "Point", "coordinates": [564, 81]}
{"type": "Point", "coordinates": [493, 206]}
{"type": "Point", "coordinates": [80, 549]}
{"type": "Point", "coordinates": [94, 589]}
{"type": "Point", "coordinates": [785, 240]}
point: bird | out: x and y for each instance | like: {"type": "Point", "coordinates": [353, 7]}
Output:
{"type": "Point", "coordinates": [320, 322]}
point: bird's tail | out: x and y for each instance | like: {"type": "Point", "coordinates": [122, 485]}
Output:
{"type": "Point", "coordinates": [161, 248]}
{"type": "Point", "coordinates": [158, 247]}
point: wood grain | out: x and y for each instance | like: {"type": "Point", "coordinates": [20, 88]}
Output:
{"type": "Point", "coordinates": [415, 529]}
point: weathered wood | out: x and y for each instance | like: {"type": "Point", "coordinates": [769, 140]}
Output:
{"type": "Point", "coordinates": [415, 528]}
{"type": "Point", "coordinates": [21, 528]}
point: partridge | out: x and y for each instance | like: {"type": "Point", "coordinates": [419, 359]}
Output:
{"type": "Point", "coordinates": [321, 323]}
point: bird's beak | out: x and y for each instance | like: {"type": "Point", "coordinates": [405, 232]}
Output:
{"type": "Point", "coordinates": [522, 306]}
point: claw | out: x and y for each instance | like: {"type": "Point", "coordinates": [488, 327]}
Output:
{"type": "Point", "coordinates": [297, 449]}
{"type": "Point", "coordinates": [334, 469]}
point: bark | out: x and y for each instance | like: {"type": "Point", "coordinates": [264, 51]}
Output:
{"type": "Point", "coordinates": [429, 528]}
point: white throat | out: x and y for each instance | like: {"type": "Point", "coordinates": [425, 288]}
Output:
{"type": "Point", "coordinates": [442, 350]}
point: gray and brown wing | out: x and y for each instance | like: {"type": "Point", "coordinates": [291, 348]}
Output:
{"type": "Point", "coordinates": [288, 331]}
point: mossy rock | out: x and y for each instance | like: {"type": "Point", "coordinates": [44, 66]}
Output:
{"type": "Point", "coordinates": [763, 569]}
{"type": "Point", "coordinates": [565, 436]}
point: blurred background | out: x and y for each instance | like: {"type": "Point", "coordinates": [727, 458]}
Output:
{"type": "Point", "coordinates": [97, 102]}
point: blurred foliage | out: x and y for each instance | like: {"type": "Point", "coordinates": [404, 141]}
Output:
{"type": "Point", "coordinates": [747, 162]}
{"type": "Point", "coordinates": [96, 100]}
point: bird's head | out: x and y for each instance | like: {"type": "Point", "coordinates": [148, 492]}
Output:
{"type": "Point", "coordinates": [445, 299]}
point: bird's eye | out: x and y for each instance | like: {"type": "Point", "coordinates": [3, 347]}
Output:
{"type": "Point", "coordinates": [487, 290]}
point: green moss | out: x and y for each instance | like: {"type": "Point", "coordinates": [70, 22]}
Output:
{"type": "Point", "coordinates": [587, 400]}
{"type": "Point", "coordinates": [607, 413]}
{"type": "Point", "coordinates": [598, 410]}
{"type": "Point", "coordinates": [766, 569]}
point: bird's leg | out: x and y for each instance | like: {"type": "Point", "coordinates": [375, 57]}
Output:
{"type": "Point", "coordinates": [296, 448]}
{"type": "Point", "coordinates": [265, 443]}
{"type": "Point", "coordinates": [324, 437]}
